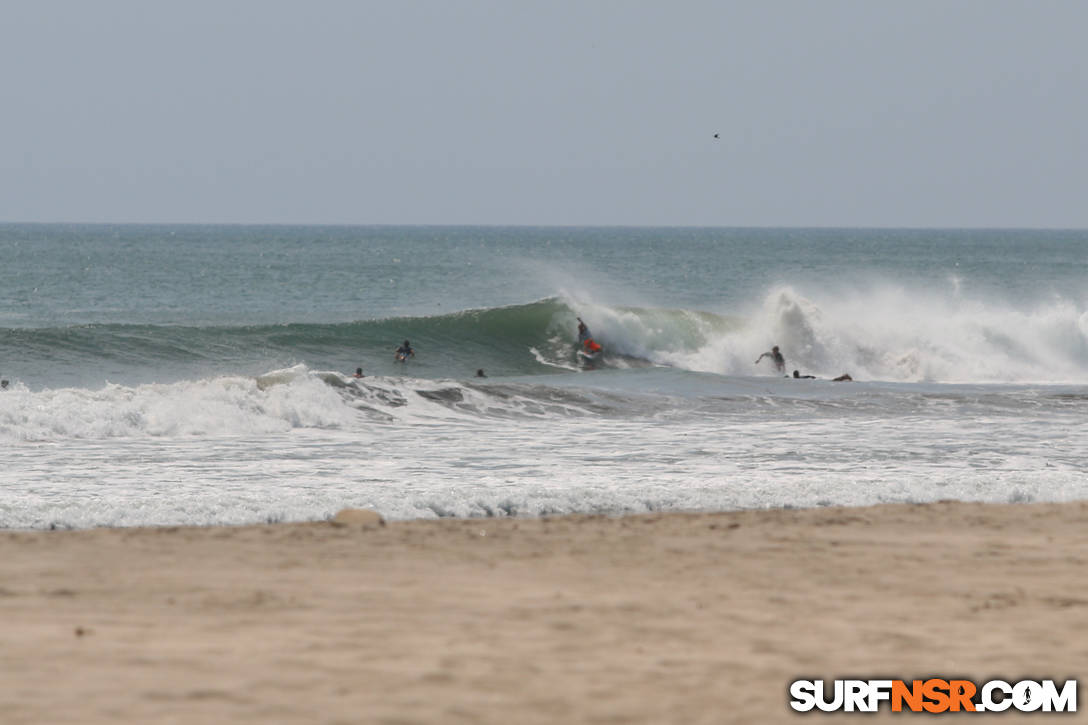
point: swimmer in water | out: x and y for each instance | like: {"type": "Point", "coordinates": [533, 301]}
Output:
{"type": "Point", "coordinates": [776, 357]}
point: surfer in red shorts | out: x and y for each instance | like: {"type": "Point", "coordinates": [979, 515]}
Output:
{"type": "Point", "coordinates": [585, 337]}
{"type": "Point", "coordinates": [591, 350]}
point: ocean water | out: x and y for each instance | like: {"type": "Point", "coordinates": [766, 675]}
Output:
{"type": "Point", "coordinates": [201, 374]}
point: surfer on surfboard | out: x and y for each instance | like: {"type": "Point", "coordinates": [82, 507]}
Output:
{"type": "Point", "coordinates": [405, 351]}
{"type": "Point", "coordinates": [590, 349]}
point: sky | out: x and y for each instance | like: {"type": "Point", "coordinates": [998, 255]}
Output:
{"type": "Point", "coordinates": [859, 113]}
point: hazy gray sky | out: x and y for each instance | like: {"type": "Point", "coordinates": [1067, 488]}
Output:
{"type": "Point", "coordinates": [830, 113]}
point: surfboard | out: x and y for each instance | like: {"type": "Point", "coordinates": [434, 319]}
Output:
{"type": "Point", "coordinates": [591, 349]}
{"type": "Point", "coordinates": [589, 357]}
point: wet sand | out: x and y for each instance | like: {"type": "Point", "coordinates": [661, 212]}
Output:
{"type": "Point", "coordinates": [671, 618]}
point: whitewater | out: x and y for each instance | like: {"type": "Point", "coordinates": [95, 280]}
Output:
{"type": "Point", "coordinates": [161, 375]}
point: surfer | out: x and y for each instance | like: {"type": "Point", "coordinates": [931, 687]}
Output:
{"type": "Point", "coordinates": [844, 378]}
{"type": "Point", "coordinates": [776, 356]}
{"type": "Point", "coordinates": [585, 337]}
{"type": "Point", "coordinates": [583, 331]}
{"type": "Point", "coordinates": [480, 373]}
{"type": "Point", "coordinates": [405, 351]}
{"type": "Point", "coordinates": [589, 346]}
{"type": "Point", "coordinates": [358, 373]}
{"type": "Point", "coordinates": [591, 350]}
{"type": "Point", "coordinates": [798, 375]}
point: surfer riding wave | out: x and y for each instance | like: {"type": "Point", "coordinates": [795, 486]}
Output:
{"type": "Point", "coordinates": [590, 349]}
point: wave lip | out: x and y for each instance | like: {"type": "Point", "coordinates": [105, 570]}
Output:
{"type": "Point", "coordinates": [898, 334]}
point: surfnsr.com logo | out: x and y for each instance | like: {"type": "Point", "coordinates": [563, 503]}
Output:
{"type": "Point", "coordinates": [933, 695]}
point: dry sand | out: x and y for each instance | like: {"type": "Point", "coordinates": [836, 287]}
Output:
{"type": "Point", "coordinates": [678, 618]}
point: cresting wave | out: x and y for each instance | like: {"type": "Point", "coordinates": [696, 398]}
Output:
{"type": "Point", "coordinates": [889, 334]}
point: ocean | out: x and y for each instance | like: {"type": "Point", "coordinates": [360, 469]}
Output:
{"type": "Point", "coordinates": [186, 374]}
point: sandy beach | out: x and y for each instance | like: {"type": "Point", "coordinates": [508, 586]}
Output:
{"type": "Point", "coordinates": [672, 618]}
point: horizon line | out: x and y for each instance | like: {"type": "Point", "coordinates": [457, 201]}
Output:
{"type": "Point", "coordinates": [526, 225]}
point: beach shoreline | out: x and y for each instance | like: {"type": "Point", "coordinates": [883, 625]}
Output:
{"type": "Point", "coordinates": [671, 617]}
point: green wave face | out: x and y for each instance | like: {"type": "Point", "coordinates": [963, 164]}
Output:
{"type": "Point", "coordinates": [520, 340]}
